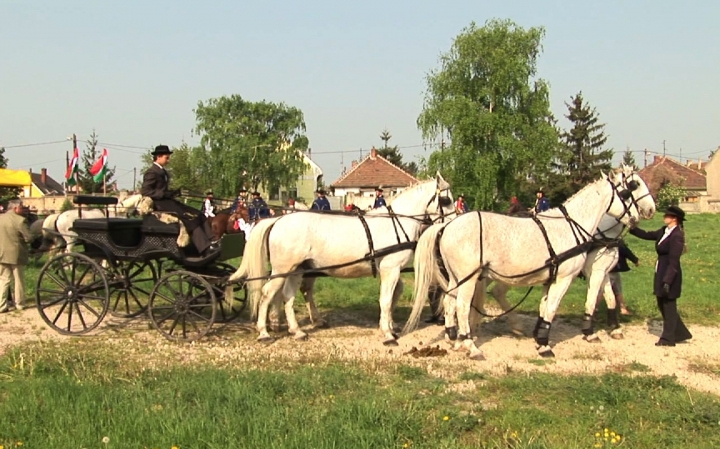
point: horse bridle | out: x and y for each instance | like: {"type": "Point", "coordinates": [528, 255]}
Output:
{"type": "Point", "coordinates": [437, 197]}
{"type": "Point", "coordinates": [625, 194]}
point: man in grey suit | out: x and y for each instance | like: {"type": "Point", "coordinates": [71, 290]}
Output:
{"type": "Point", "coordinates": [14, 239]}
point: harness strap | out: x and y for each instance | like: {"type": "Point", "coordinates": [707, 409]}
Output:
{"type": "Point", "coordinates": [396, 222]}
{"type": "Point", "coordinates": [371, 253]}
{"type": "Point", "coordinates": [553, 261]}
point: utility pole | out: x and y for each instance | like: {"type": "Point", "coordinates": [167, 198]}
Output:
{"type": "Point", "coordinates": [663, 148]}
{"type": "Point", "coordinates": [134, 178]}
{"type": "Point", "coordinates": [67, 164]}
{"type": "Point", "coordinates": [646, 156]}
{"type": "Point", "coordinates": [680, 155]}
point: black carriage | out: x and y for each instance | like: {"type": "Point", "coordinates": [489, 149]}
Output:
{"type": "Point", "coordinates": [131, 266]}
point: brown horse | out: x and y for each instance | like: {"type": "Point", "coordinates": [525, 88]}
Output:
{"type": "Point", "coordinates": [224, 221]}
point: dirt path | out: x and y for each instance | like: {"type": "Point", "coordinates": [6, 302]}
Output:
{"type": "Point", "coordinates": [696, 364]}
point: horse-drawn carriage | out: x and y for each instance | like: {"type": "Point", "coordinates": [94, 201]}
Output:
{"type": "Point", "coordinates": [131, 266]}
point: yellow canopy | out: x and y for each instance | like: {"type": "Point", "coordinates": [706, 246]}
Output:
{"type": "Point", "coordinates": [14, 178]}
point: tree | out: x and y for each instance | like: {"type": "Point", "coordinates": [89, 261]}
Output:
{"type": "Point", "coordinates": [629, 159]}
{"type": "Point", "coordinates": [582, 156]}
{"type": "Point", "coordinates": [6, 193]}
{"type": "Point", "coordinates": [250, 143]}
{"type": "Point", "coordinates": [670, 194]}
{"type": "Point", "coordinates": [392, 154]}
{"type": "Point", "coordinates": [89, 156]}
{"type": "Point", "coordinates": [188, 169]}
{"type": "Point", "coordinates": [487, 100]}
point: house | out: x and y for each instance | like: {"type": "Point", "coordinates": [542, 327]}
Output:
{"type": "Point", "coordinates": [303, 189]}
{"type": "Point", "coordinates": [357, 186]}
{"type": "Point", "coordinates": [42, 185]}
{"type": "Point", "coordinates": [663, 170]}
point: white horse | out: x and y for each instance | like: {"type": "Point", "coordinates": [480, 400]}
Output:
{"type": "Point", "coordinates": [339, 245]}
{"type": "Point", "coordinates": [57, 228]}
{"type": "Point", "coordinates": [513, 250]}
{"type": "Point", "coordinates": [598, 264]}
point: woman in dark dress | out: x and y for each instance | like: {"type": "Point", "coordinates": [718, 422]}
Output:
{"type": "Point", "coordinates": [669, 245]}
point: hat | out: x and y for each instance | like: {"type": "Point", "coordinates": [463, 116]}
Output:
{"type": "Point", "coordinates": [209, 193]}
{"type": "Point", "coordinates": [379, 189]}
{"type": "Point", "coordinates": [161, 149]}
{"type": "Point", "coordinates": [256, 193]}
{"type": "Point", "coordinates": [243, 190]}
{"type": "Point", "coordinates": [676, 212]}
{"type": "Point", "coordinates": [320, 191]}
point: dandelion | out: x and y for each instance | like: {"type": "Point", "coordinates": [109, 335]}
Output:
{"type": "Point", "coordinates": [601, 408]}
{"type": "Point", "coordinates": [618, 437]}
{"type": "Point", "coordinates": [598, 445]}
{"type": "Point", "coordinates": [332, 396]}
{"type": "Point", "coordinates": [446, 418]}
{"type": "Point", "coordinates": [106, 440]}
{"type": "Point", "coordinates": [597, 434]}
{"type": "Point", "coordinates": [175, 447]}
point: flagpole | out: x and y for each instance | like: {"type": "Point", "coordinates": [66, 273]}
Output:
{"type": "Point", "coordinates": [104, 185]}
{"type": "Point", "coordinates": [76, 176]}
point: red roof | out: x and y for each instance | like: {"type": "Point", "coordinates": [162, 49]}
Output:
{"type": "Point", "coordinates": [375, 171]}
{"type": "Point", "coordinates": [664, 169]}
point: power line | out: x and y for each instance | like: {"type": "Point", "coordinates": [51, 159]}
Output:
{"type": "Point", "coordinates": [33, 144]}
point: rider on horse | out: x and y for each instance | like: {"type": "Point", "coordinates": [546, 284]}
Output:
{"type": "Point", "coordinates": [379, 199]}
{"type": "Point", "coordinates": [155, 185]}
{"type": "Point", "coordinates": [208, 205]}
{"type": "Point", "coordinates": [321, 202]}
{"type": "Point", "coordinates": [258, 208]}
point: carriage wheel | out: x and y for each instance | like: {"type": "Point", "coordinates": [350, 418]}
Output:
{"type": "Point", "coordinates": [72, 294]}
{"type": "Point", "coordinates": [228, 311]}
{"type": "Point", "coordinates": [182, 306]}
{"type": "Point", "coordinates": [130, 289]}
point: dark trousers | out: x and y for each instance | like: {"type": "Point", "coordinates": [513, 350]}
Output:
{"type": "Point", "coordinates": [195, 223]}
{"type": "Point", "coordinates": [674, 330]}
{"type": "Point", "coordinates": [435, 298]}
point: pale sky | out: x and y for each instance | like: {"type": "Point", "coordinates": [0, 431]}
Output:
{"type": "Point", "coordinates": [134, 70]}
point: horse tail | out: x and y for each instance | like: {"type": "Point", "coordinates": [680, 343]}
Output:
{"type": "Point", "coordinates": [254, 265]}
{"type": "Point", "coordinates": [426, 272]}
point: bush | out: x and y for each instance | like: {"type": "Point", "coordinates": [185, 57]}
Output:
{"type": "Point", "coordinates": [670, 195]}
{"type": "Point", "coordinates": [66, 205]}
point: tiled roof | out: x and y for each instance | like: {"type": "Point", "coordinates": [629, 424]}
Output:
{"type": "Point", "coordinates": [375, 171]}
{"type": "Point", "coordinates": [49, 187]}
{"type": "Point", "coordinates": [664, 169]}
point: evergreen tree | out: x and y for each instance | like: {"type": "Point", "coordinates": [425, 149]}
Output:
{"type": "Point", "coordinates": [392, 154]}
{"type": "Point", "coordinates": [581, 157]}
{"type": "Point", "coordinates": [89, 156]}
{"type": "Point", "coordinates": [6, 193]}
{"type": "Point", "coordinates": [629, 159]}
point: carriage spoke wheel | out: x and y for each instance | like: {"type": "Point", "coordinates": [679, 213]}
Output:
{"type": "Point", "coordinates": [228, 310]}
{"type": "Point", "coordinates": [72, 294]}
{"type": "Point", "coordinates": [182, 306]}
{"type": "Point", "coordinates": [130, 288]}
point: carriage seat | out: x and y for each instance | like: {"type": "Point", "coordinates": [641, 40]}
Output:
{"type": "Point", "coordinates": [162, 222]}
{"type": "Point", "coordinates": [125, 232]}
{"type": "Point", "coordinates": [90, 200]}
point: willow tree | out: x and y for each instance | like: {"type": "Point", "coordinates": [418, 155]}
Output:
{"type": "Point", "coordinates": [249, 144]}
{"type": "Point", "coordinates": [487, 101]}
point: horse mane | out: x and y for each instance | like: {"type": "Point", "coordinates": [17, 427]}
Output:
{"type": "Point", "coordinates": [553, 210]}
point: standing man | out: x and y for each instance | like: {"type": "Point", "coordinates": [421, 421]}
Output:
{"type": "Point", "coordinates": [208, 206]}
{"type": "Point", "coordinates": [379, 199]}
{"type": "Point", "coordinates": [14, 237]}
{"type": "Point", "coordinates": [460, 205]}
{"type": "Point", "coordinates": [321, 203]}
{"type": "Point", "coordinates": [258, 208]}
{"type": "Point", "coordinates": [155, 185]}
{"type": "Point", "coordinates": [541, 203]}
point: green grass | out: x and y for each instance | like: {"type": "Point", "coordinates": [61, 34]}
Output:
{"type": "Point", "coordinates": [71, 396]}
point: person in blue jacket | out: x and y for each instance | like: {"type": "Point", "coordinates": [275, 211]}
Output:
{"type": "Point", "coordinates": [321, 202]}
{"type": "Point", "coordinates": [258, 208]}
{"type": "Point", "coordinates": [542, 203]}
{"type": "Point", "coordinates": [379, 199]}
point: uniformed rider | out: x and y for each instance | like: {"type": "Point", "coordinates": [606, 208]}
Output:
{"type": "Point", "coordinates": [379, 199]}
{"type": "Point", "coordinates": [156, 182]}
{"type": "Point", "coordinates": [258, 208]}
{"type": "Point", "coordinates": [321, 202]}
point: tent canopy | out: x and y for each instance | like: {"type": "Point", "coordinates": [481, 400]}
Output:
{"type": "Point", "coordinates": [14, 178]}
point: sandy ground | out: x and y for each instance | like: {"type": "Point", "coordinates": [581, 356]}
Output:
{"type": "Point", "coordinates": [696, 364]}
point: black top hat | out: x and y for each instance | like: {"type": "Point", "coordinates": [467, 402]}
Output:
{"type": "Point", "coordinates": [676, 212]}
{"type": "Point", "coordinates": [256, 193]}
{"type": "Point", "coordinates": [209, 193]}
{"type": "Point", "coordinates": [243, 190]}
{"type": "Point", "coordinates": [540, 190]}
{"type": "Point", "coordinates": [161, 149]}
{"type": "Point", "coordinates": [321, 191]}
{"type": "Point", "coordinates": [379, 189]}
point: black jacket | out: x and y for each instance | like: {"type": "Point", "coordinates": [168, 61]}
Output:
{"type": "Point", "coordinates": [625, 254]}
{"type": "Point", "coordinates": [155, 183]}
{"type": "Point", "coordinates": [668, 264]}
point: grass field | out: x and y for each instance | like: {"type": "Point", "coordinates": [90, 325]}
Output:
{"type": "Point", "coordinates": [74, 393]}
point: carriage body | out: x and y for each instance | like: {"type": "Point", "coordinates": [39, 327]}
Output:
{"type": "Point", "coordinates": [130, 266]}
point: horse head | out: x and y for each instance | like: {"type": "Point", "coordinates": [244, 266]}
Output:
{"type": "Point", "coordinates": [621, 207]}
{"type": "Point", "coordinates": [639, 193]}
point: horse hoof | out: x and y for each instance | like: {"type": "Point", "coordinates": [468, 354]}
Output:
{"type": "Point", "coordinates": [392, 342]}
{"type": "Point", "coordinates": [592, 339]}
{"type": "Point", "coordinates": [265, 339]}
{"type": "Point", "coordinates": [479, 357]}
{"type": "Point", "coordinates": [395, 335]}
{"type": "Point", "coordinates": [547, 354]}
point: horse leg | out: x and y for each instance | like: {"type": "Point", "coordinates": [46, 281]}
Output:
{"type": "Point", "coordinates": [465, 296]}
{"type": "Point", "coordinates": [499, 292]}
{"type": "Point", "coordinates": [269, 291]}
{"type": "Point", "coordinates": [397, 293]}
{"type": "Point", "coordinates": [307, 288]}
{"type": "Point", "coordinates": [595, 278]}
{"type": "Point", "coordinates": [388, 281]}
{"type": "Point", "coordinates": [288, 293]}
{"type": "Point", "coordinates": [275, 314]}
{"type": "Point", "coordinates": [450, 306]}
{"type": "Point", "coordinates": [613, 318]}
{"type": "Point", "coordinates": [548, 309]}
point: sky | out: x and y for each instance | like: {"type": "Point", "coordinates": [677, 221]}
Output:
{"type": "Point", "coordinates": [134, 70]}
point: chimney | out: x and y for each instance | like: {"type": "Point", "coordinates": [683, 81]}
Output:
{"type": "Point", "coordinates": [354, 164]}
{"type": "Point", "coordinates": [43, 175]}
{"type": "Point", "coordinates": [373, 153]}
{"type": "Point", "coordinates": [657, 159]}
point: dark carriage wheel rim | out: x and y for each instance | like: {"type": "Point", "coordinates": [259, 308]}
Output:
{"type": "Point", "coordinates": [128, 298]}
{"type": "Point", "coordinates": [230, 312]}
{"type": "Point", "coordinates": [182, 306]}
{"type": "Point", "coordinates": [72, 294]}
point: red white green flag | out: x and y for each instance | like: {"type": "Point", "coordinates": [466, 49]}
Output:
{"type": "Point", "coordinates": [99, 167]}
{"type": "Point", "coordinates": [73, 168]}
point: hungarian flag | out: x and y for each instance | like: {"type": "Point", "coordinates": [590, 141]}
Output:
{"type": "Point", "coordinates": [72, 168]}
{"type": "Point", "coordinates": [99, 167]}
